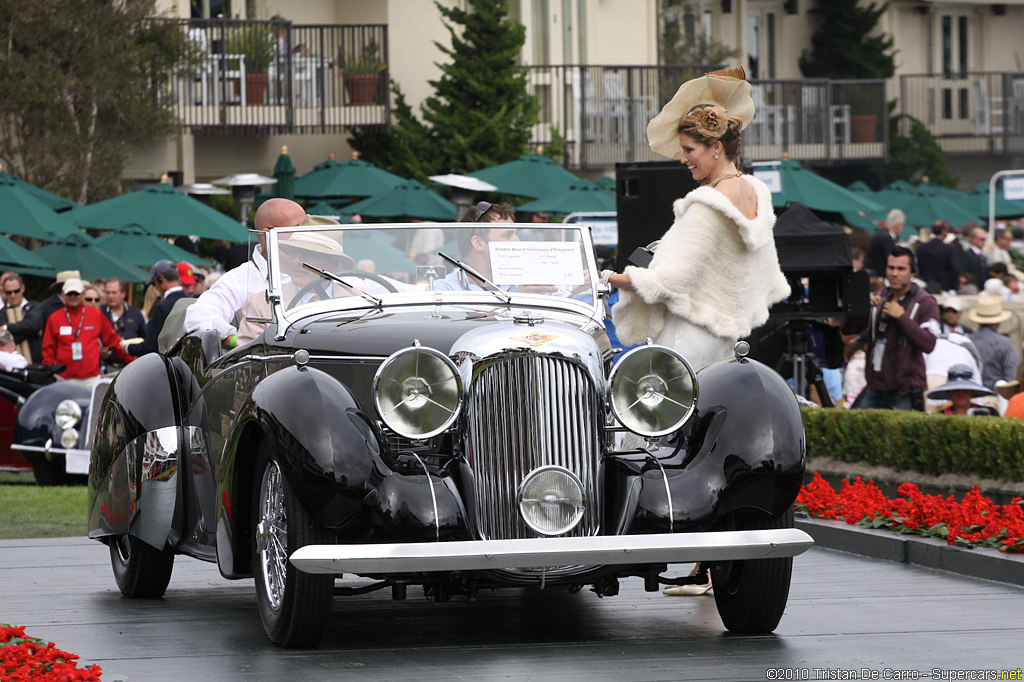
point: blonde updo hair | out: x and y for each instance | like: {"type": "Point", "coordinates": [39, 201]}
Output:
{"type": "Point", "coordinates": [708, 123]}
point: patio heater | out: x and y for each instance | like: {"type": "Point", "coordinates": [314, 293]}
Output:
{"type": "Point", "coordinates": [244, 188]}
{"type": "Point", "coordinates": [203, 191]}
{"type": "Point", "coordinates": [464, 187]}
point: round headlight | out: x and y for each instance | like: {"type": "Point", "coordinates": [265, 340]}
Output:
{"type": "Point", "coordinates": [417, 392]}
{"type": "Point", "coordinates": [653, 390]}
{"type": "Point", "coordinates": [69, 438]}
{"type": "Point", "coordinates": [67, 414]}
{"type": "Point", "coordinates": [551, 500]}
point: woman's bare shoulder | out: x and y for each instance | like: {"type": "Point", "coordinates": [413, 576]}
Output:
{"type": "Point", "coordinates": [741, 194]}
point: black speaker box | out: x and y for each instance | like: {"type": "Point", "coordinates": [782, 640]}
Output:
{"type": "Point", "coordinates": [644, 194]}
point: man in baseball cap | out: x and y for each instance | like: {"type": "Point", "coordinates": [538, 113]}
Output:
{"type": "Point", "coordinates": [73, 335]}
{"type": "Point", "coordinates": [187, 277]}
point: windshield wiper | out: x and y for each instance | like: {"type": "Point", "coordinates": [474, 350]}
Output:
{"type": "Point", "coordinates": [334, 278]}
{"type": "Point", "coordinates": [489, 285]}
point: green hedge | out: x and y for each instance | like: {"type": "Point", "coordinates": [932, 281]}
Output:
{"type": "Point", "coordinates": [986, 447]}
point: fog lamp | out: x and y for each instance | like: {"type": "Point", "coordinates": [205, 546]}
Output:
{"type": "Point", "coordinates": [417, 392]}
{"type": "Point", "coordinates": [69, 438]}
{"type": "Point", "coordinates": [653, 390]}
{"type": "Point", "coordinates": [551, 500]}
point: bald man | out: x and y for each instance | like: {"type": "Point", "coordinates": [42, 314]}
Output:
{"type": "Point", "coordinates": [215, 309]}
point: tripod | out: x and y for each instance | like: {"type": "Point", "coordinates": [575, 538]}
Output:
{"type": "Point", "coordinates": [806, 371]}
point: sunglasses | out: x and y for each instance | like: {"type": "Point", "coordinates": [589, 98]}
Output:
{"type": "Point", "coordinates": [73, 293]}
{"type": "Point", "coordinates": [950, 310]}
{"type": "Point", "coordinates": [481, 208]}
{"type": "Point", "coordinates": [12, 291]}
{"type": "Point", "coordinates": [92, 299]}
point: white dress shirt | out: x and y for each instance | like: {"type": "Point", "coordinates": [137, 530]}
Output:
{"type": "Point", "coordinates": [216, 307]}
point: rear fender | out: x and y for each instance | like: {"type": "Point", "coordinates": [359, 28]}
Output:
{"type": "Point", "coordinates": [133, 472]}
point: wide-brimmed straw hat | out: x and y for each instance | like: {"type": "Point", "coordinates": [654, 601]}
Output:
{"type": "Point", "coordinates": [63, 276]}
{"type": "Point", "coordinates": [989, 311]}
{"type": "Point", "coordinates": [319, 243]}
{"type": "Point", "coordinates": [727, 88]}
{"type": "Point", "coordinates": [959, 378]}
{"type": "Point", "coordinates": [1007, 389]}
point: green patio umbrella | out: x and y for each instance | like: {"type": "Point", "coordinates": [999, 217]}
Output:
{"type": "Point", "coordinates": [925, 204]}
{"type": "Point", "coordinates": [378, 247]}
{"type": "Point", "coordinates": [284, 171]}
{"type": "Point", "coordinates": [790, 181]}
{"type": "Point", "coordinates": [977, 203]}
{"type": "Point", "coordinates": [606, 183]}
{"type": "Point", "coordinates": [135, 246]}
{"type": "Point", "coordinates": [23, 214]}
{"type": "Point", "coordinates": [15, 257]}
{"type": "Point", "coordinates": [53, 201]}
{"type": "Point", "coordinates": [582, 195]}
{"type": "Point", "coordinates": [409, 199]}
{"type": "Point", "coordinates": [860, 186]}
{"type": "Point", "coordinates": [78, 252]}
{"type": "Point", "coordinates": [352, 178]}
{"type": "Point", "coordinates": [161, 210]}
{"type": "Point", "coordinates": [530, 176]}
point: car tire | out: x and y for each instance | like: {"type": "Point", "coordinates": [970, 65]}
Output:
{"type": "Point", "coordinates": [140, 570]}
{"type": "Point", "coordinates": [294, 606]}
{"type": "Point", "coordinates": [751, 594]}
{"type": "Point", "coordinates": [49, 471]}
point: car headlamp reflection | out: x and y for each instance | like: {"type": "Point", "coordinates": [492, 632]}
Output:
{"type": "Point", "coordinates": [418, 392]}
{"type": "Point", "coordinates": [653, 390]}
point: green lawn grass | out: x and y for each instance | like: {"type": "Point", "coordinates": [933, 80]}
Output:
{"type": "Point", "coordinates": [28, 510]}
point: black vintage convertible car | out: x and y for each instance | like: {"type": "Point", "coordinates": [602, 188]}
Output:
{"type": "Point", "coordinates": [455, 421]}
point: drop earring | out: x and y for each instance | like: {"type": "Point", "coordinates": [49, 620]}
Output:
{"type": "Point", "coordinates": [716, 156]}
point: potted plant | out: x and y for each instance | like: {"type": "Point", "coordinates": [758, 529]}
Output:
{"type": "Point", "coordinates": [255, 42]}
{"type": "Point", "coordinates": [360, 74]}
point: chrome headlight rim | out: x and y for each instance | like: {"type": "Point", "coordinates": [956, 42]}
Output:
{"type": "Point", "coordinates": [544, 471]}
{"type": "Point", "coordinates": [624, 418]}
{"type": "Point", "coordinates": [383, 411]}
{"type": "Point", "coordinates": [67, 414]}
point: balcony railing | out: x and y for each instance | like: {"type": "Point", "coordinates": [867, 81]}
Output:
{"type": "Point", "coordinates": [971, 112]}
{"type": "Point", "coordinates": [602, 112]}
{"type": "Point", "coordinates": [262, 77]}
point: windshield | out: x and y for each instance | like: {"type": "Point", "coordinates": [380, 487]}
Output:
{"type": "Point", "coordinates": [354, 267]}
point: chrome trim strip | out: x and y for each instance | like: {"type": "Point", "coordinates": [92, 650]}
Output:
{"type": "Point", "coordinates": [48, 450]}
{"type": "Point", "coordinates": [523, 553]}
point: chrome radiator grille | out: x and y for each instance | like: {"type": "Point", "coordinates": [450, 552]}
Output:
{"type": "Point", "coordinates": [527, 411]}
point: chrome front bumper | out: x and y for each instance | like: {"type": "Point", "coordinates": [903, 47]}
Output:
{"type": "Point", "coordinates": [524, 553]}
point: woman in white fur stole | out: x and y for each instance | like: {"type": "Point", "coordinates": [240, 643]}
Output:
{"type": "Point", "coordinates": [715, 272]}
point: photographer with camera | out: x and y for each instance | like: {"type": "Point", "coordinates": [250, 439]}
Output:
{"type": "Point", "coordinates": [902, 327]}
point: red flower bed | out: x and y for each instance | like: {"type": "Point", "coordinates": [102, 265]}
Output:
{"type": "Point", "coordinates": [974, 519]}
{"type": "Point", "coordinates": [27, 658]}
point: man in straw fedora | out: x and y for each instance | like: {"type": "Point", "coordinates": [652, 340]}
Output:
{"type": "Point", "coordinates": [998, 356]}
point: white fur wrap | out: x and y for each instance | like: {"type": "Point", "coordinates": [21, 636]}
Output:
{"type": "Point", "coordinates": [714, 267]}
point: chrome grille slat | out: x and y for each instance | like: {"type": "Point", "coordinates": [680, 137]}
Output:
{"type": "Point", "coordinates": [526, 411]}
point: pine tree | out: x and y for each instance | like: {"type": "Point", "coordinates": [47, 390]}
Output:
{"type": "Point", "coordinates": [481, 113]}
{"type": "Point", "coordinates": [845, 44]}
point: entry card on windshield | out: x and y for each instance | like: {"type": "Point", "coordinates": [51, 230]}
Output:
{"type": "Point", "coordinates": [536, 263]}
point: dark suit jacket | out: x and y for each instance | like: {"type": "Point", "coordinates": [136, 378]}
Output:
{"type": "Point", "coordinates": [33, 324]}
{"type": "Point", "coordinates": [937, 262]}
{"type": "Point", "coordinates": [157, 317]}
{"type": "Point", "coordinates": [975, 264]}
{"type": "Point", "coordinates": [878, 252]}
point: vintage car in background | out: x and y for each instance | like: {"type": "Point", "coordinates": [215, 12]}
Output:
{"type": "Point", "coordinates": [423, 427]}
{"type": "Point", "coordinates": [53, 428]}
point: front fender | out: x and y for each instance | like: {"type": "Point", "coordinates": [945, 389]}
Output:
{"type": "Point", "coordinates": [744, 451]}
{"type": "Point", "coordinates": [324, 446]}
{"type": "Point", "coordinates": [35, 423]}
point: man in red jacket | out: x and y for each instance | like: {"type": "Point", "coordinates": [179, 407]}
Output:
{"type": "Point", "coordinates": [73, 335]}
